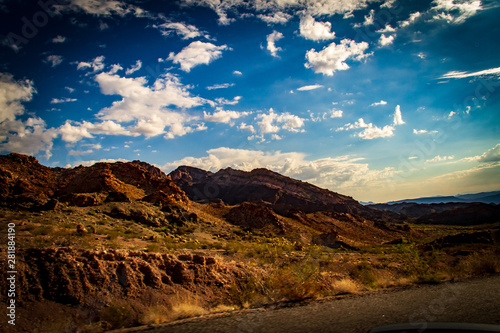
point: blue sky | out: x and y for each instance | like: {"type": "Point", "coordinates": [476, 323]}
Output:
{"type": "Point", "coordinates": [380, 100]}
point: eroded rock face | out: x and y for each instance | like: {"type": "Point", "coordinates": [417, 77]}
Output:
{"type": "Point", "coordinates": [252, 216]}
{"type": "Point", "coordinates": [24, 181]}
{"type": "Point", "coordinates": [138, 212]}
{"type": "Point", "coordinates": [72, 276]}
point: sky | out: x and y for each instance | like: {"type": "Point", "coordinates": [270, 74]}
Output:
{"type": "Point", "coordinates": [378, 100]}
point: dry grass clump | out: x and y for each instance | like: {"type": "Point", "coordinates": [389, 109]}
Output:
{"type": "Point", "coordinates": [346, 286]}
{"type": "Point", "coordinates": [155, 314]}
{"type": "Point", "coordinates": [187, 310]}
{"type": "Point", "coordinates": [481, 264]}
{"type": "Point", "coordinates": [223, 308]}
{"type": "Point", "coordinates": [180, 306]}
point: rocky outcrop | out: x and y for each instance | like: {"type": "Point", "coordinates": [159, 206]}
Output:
{"type": "Point", "coordinates": [186, 175]}
{"type": "Point", "coordinates": [75, 276]}
{"type": "Point", "coordinates": [26, 183]}
{"type": "Point", "coordinates": [252, 216]}
{"type": "Point", "coordinates": [126, 181]}
{"type": "Point", "coordinates": [151, 169]}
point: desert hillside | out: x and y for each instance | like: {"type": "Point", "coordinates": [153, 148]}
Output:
{"type": "Point", "coordinates": [122, 244]}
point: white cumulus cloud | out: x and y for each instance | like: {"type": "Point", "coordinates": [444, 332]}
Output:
{"type": "Point", "coordinates": [197, 53]}
{"type": "Point", "coordinates": [26, 137]}
{"type": "Point", "coordinates": [456, 12]}
{"type": "Point", "coordinates": [97, 64]}
{"type": "Point", "coordinates": [224, 116]}
{"type": "Point", "coordinates": [103, 8]}
{"type": "Point", "coordinates": [271, 42]}
{"type": "Point", "coordinates": [275, 18]}
{"type": "Point", "coordinates": [134, 68]}
{"type": "Point", "coordinates": [382, 102]}
{"type": "Point", "coordinates": [384, 41]}
{"type": "Point", "coordinates": [12, 94]}
{"type": "Point", "coordinates": [183, 30]}
{"type": "Point", "coordinates": [54, 60]}
{"type": "Point", "coordinates": [333, 57]}
{"type": "Point", "coordinates": [369, 131]}
{"type": "Point", "coordinates": [314, 30]}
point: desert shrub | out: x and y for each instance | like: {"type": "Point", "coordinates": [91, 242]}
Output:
{"type": "Point", "coordinates": [185, 229]}
{"type": "Point", "coordinates": [41, 242]}
{"type": "Point", "coordinates": [155, 314]}
{"type": "Point", "coordinates": [129, 233]}
{"type": "Point", "coordinates": [43, 230]}
{"type": "Point", "coordinates": [248, 292]}
{"type": "Point", "coordinates": [68, 225]}
{"type": "Point", "coordinates": [365, 274]}
{"type": "Point", "coordinates": [114, 245]}
{"type": "Point", "coordinates": [419, 264]}
{"type": "Point", "coordinates": [187, 310]}
{"type": "Point", "coordinates": [481, 264]}
{"type": "Point", "coordinates": [117, 315]}
{"type": "Point", "coordinates": [154, 247]}
{"type": "Point", "coordinates": [165, 229]}
{"type": "Point", "coordinates": [295, 282]}
{"type": "Point", "coordinates": [112, 234]}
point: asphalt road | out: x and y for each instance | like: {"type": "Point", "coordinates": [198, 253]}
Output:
{"type": "Point", "coordinates": [476, 301]}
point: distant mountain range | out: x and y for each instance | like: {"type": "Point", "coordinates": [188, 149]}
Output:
{"type": "Point", "coordinates": [492, 197]}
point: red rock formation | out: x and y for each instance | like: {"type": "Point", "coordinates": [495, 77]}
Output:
{"type": "Point", "coordinates": [252, 216]}
{"type": "Point", "coordinates": [283, 194]}
{"type": "Point", "coordinates": [25, 182]}
{"type": "Point", "coordinates": [73, 276]}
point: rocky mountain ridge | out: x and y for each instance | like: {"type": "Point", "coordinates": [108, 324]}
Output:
{"type": "Point", "coordinates": [284, 195]}
{"type": "Point", "coordinates": [454, 213]}
{"type": "Point", "coordinates": [24, 182]}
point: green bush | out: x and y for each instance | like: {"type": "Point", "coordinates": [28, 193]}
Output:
{"type": "Point", "coordinates": [365, 274]}
{"type": "Point", "coordinates": [419, 264]}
